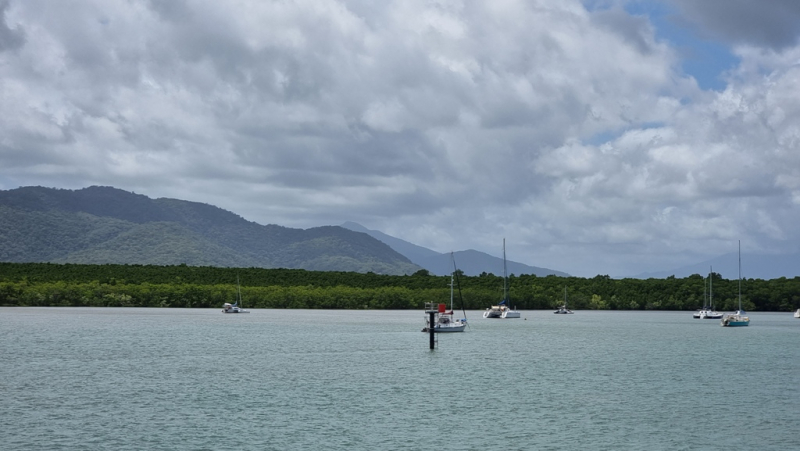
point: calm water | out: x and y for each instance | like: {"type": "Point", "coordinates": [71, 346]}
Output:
{"type": "Point", "coordinates": [174, 379]}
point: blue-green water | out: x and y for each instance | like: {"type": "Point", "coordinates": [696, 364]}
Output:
{"type": "Point", "coordinates": [175, 379]}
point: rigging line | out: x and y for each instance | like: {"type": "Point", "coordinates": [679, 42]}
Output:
{"type": "Point", "coordinates": [458, 283]}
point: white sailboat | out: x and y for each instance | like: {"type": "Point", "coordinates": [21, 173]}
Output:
{"type": "Point", "coordinates": [563, 310]}
{"type": "Point", "coordinates": [738, 318]}
{"type": "Point", "coordinates": [503, 308]}
{"type": "Point", "coordinates": [445, 321]}
{"type": "Point", "coordinates": [234, 308]}
{"type": "Point", "coordinates": [709, 312]}
{"type": "Point", "coordinates": [702, 311]}
{"type": "Point", "coordinates": [797, 313]}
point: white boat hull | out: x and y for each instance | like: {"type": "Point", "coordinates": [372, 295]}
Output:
{"type": "Point", "coordinates": [502, 312]}
{"type": "Point", "coordinates": [445, 329]}
{"type": "Point", "coordinates": [491, 313]}
{"type": "Point", "coordinates": [233, 308]}
{"type": "Point", "coordinates": [445, 322]}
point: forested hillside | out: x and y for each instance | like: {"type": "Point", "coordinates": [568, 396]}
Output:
{"type": "Point", "coordinates": [42, 284]}
{"type": "Point", "coordinates": [98, 225]}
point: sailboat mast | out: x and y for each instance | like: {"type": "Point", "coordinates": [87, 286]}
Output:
{"type": "Point", "coordinates": [740, 275]}
{"type": "Point", "coordinates": [705, 293]}
{"type": "Point", "coordinates": [451, 290]}
{"type": "Point", "coordinates": [505, 274]}
{"type": "Point", "coordinates": [238, 292]}
{"type": "Point", "coordinates": [710, 288]}
{"type": "Point", "coordinates": [460, 298]}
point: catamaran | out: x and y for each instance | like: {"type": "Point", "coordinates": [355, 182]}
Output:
{"type": "Point", "coordinates": [563, 310]}
{"type": "Point", "coordinates": [503, 308]}
{"type": "Point", "coordinates": [234, 308]}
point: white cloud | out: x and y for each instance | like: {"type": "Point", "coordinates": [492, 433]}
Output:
{"type": "Point", "coordinates": [451, 124]}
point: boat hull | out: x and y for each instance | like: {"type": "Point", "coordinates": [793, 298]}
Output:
{"type": "Point", "coordinates": [708, 314]}
{"type": "Point", "coordinates": [735, 321]}
{"type": "Point", "coordinates": [502, 312]}
{"type": "Point", "coordinates": [491, 314]}
{"type": "Point", "coordinates": [457, 326]}
{"type": "Point", "coordinates": [440, 330]}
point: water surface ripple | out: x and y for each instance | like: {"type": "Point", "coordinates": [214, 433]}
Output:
{"type": "Point", "coordinates": [196, 379]}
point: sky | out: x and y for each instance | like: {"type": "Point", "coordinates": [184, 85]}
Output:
{"type": "Point", "coordinates": [595, 137]}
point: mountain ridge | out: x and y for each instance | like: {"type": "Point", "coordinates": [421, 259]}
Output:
{"type": "Point", "coordinates": [470, 262]}
{"type": "Point", "coordinates": [109, 225]}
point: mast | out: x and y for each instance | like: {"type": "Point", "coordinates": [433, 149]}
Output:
{"type": "Point", "coordinates": [238, 292]}
{"type": "Point", "coordinates": [710, 288]}
{"type": "Point", "coordinates": [505, 274]}
{"type": "Point", "coordinates": [740, 276]}
{"type": "Point", "coordinates": [460, 298]}
{"type": "Point", "coordinates": [451, 290]}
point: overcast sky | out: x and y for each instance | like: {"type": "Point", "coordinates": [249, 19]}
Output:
{"type": "Point", "coordinates": [596, 137]}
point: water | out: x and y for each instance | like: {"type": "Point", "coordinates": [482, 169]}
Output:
{"type": "Point", "coordinates": [195, 379]}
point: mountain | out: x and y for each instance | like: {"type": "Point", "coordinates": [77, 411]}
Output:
{"type": "Point", "coordinates": [411, 251]}
{"type": "Point", "coordinates": [109, 225]}
{"type": "Point", "coordinates": [754, 266]}
{"type": "Point", "coordinates": [471, 262]}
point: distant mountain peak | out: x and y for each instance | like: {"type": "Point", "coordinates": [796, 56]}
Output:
{"type": "Point", "coordinates": [470, 262]}
{"type": "Point", "coordinates": [354, 226]}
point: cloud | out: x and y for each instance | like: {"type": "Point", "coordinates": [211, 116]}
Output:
{"type": "Point", "coordinates": [572, 132]}
{"type": "Point", "coordinates": [10, 39]}
{"type": "Point", "coordinates": [774, 24]}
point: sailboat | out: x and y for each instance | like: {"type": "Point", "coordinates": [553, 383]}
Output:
{"type": "Point", "coordinates": [701, 312]}
{"type": "Point", "coordinates": [709, 312]}
{"type": "Point", "coordinates": [738, 318]}
{"type": "Point", "coordinates": [563, 310]}
{"type": "Point", "coordinates": [234, 308]}
{"type": "Point", "coordinates": [445, 321]}
{"type": "Point", "coordinates": [502, 309]}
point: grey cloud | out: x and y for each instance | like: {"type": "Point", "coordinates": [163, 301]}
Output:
{"type": "Point", "coordinates": [774, 23]}
{"type": "Point", "coordinates": [635, 30]}
{"type": "Point", "coordinates": [10, 38]}
{"type": "Point", "coordinates": [448, 124]}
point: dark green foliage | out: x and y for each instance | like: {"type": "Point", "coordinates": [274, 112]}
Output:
{"type": "Point", "coordinates": [48, 284]}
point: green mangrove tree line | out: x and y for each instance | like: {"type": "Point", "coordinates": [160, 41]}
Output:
{"type": "Point", "coordinates": [45, 284]}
